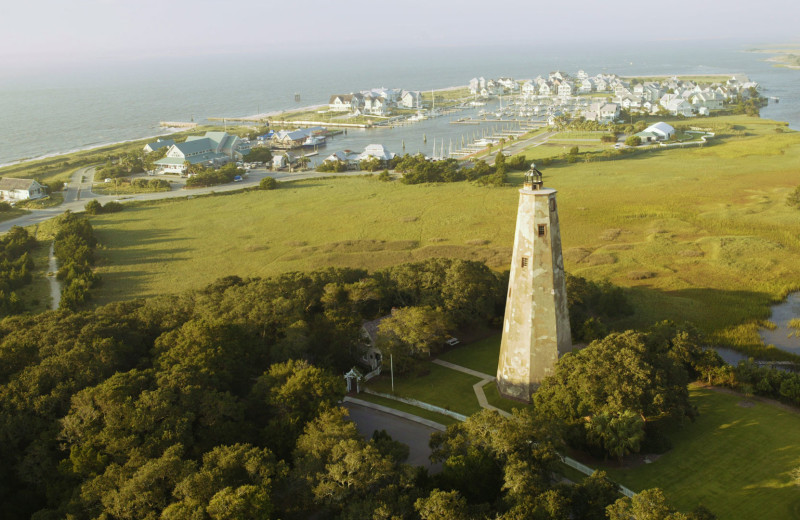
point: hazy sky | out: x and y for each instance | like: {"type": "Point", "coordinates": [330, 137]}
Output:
{"type": "Point", "coordinates": [34, 33]}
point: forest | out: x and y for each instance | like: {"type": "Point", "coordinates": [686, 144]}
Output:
{"type": "Point", "coordinates": [222, 403]}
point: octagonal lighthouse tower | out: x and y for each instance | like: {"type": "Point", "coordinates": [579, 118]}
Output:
{"type": "Point", "coordinates": [536, 326]}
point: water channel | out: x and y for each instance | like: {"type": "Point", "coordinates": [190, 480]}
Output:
{"type": "Point", "coordinates": [783, 336]}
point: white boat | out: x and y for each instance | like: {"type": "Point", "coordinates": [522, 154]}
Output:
{"type": "Point", "coordinates": [314, 140]}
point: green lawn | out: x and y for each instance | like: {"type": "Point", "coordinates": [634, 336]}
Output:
{"type": "Point", "coordinates": [734, 460]}
{"type": "Point", "coordinates": [459, 396]}
{"type": "Point", "coordinates": [480, 355]}
{"type": "Point", "coordinates": [12, 214]}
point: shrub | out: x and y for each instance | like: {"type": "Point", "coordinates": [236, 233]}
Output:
{"type": "Point", "coordinates": [268, 183]}
{"type": "Point", "coordinates": [793, 200]}
{"type": "Point", "coordinates": [384, 176]}
{"type": "Point", "coordinates": [112, 207]}
{"type": "Point", "coordinates": [93, 207]}
{"type": "Point", "coordinates": [633, 140]}
{"type": "Point", "coordinates": [5, 206]}
{"type": "Point", "coordinates": [332, 166]}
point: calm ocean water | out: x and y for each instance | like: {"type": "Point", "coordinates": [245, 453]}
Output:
{"type": "Point", "coordinates": [87, 106]}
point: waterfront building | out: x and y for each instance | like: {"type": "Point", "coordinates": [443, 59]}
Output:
{"type": "Point", "coordinates": [210, 150]}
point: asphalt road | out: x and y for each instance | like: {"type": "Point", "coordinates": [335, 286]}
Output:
{"type": "Point", "coordinates": [413, 434]}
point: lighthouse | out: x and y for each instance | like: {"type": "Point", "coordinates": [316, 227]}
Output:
{"type": "Point", "coordinates": [536, 324]}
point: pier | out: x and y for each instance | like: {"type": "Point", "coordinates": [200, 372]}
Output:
{"type": "Point", "coordinates": [177, 124]}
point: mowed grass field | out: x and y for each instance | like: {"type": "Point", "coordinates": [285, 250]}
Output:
{"type": "Point", "coordinates": [700, 234]}
{"type": "Point", "coordinates": [735, 459]}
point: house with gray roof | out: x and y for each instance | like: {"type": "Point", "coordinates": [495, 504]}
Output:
{"type": "Point", "coordinates": [158, 144]}
{"type": "Point", "coordinates": [12, 190]}
{"type": "Point", "coordinates": [212, 149]}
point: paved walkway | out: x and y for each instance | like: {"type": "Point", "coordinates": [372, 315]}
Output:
{"type": "Point", "coordinates": [477, 387]}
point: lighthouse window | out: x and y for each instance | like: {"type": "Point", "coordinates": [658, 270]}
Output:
{"type": "Point", "coordinates": [552, 204]}
{"type": "Point", "coordinates": [542, 230]}
{"type": "Point", "coordinates": [524, 261]}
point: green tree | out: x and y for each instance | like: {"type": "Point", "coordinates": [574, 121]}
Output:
{"type": "Point", "coordinates": [619, 434]}
{"type": "Point", "coordinates": [268, 183]}
{"type": "Point", "coordinates": [93, 207]}
{"type": "Point", "coordinates": [234, 482]}
{"type": "Point", "coordinates": [259, 154]}
{"type": "Point", "coordinates": [416, 330]}
{"type": "Point", "coordinates": [650, 504]}
{"type": "Point", "coordinates": [442, 505]}
{"type": "Point", "coordinates": [620, 374]}
{"type": "Point", "coordinates": [633, 140]}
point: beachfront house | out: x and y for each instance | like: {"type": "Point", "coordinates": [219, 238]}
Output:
{"type": "Point", "coordinates": [12, 190]}
{"type": "Point", "coordinates": [210, 150]}
{"type": "Point", "coordinates": [157, 145]}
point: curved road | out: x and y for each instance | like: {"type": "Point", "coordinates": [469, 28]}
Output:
{"type": "Point", "coordinates": [413, 434]}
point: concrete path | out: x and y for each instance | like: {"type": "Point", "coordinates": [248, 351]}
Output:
{"type": "Point", "coordinates": [477, 387]}
{"type": "Point", "coordinates": [459, 368]}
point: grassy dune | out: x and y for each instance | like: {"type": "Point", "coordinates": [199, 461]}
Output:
{"type": "Point", "coordinates": [700, 233]}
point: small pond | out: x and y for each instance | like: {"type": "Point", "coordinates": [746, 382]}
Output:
{"type": "Point", "coordinates": [784, 337]}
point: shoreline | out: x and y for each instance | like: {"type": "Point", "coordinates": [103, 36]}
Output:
{"type": "Point", "coordinates": [89, 148]}
{"type": "Point", "coordinates": [169, 131]}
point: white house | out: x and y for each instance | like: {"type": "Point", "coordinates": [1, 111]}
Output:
{"type": "Point", "coordinates": [375, 105]}
{"type": "Point", "coordinates": [410, 99]}
{"type": "Point", "coordinates": [376, 151]}
{"type": "Point", "coordinates": [565, 89]}
{"type": "Point", "coordinates": [545, 89]}
{"type": "Point", "coordinates": [20, 189]}
{"type": "Point", "coordinates": [528, 89]}
{"type": "Point", "coordinates": [708, 100]}
{"type": "Point", "coordinates": [474, 86]}
{"type": "Point", "coordinates": [346, 157]}
{"type": "Point", "coordinates": [608, 113]}
{"type": "Point", "coordinates": [679, 106]}
{"type": "Point", "coordinates": [345, 102]}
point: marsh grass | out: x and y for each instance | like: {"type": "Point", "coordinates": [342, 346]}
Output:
{"type": "Point", "coordinates": [710, 222]}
